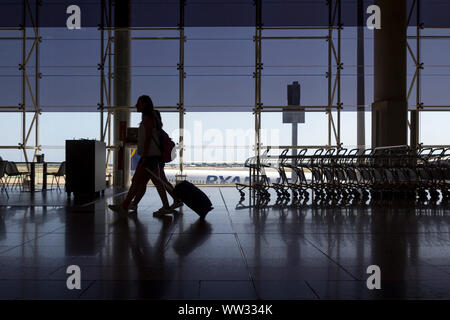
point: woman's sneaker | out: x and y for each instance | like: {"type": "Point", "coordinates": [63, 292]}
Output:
{"type": "Point", "coordinates": [163, 211]}
{"type": "Point", "coordinates": [117, 208]}
{"type": "Point", "coordinates": [133, 207]}
{"type": "Point", "coordinates": [176, 204]}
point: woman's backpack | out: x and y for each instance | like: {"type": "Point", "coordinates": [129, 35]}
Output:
{"type": "Point", "coordinates": [167, 147]}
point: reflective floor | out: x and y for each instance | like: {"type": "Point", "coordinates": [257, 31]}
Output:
{"type": "Point", "coordinates": [237, 253]}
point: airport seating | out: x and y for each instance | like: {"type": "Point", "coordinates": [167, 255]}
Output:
{"type": "Point", "coordinates": [14, 174]}
{"type": "Point", "coordinates": [282, 186]}
{"type": "Point", "coordinates": [340, 176]}
{"type": "Point", "coordinates": [298, 184]}
{"type": "Point", "coordinates": [259, 183]}
{"type": "Point", "coordinates": [58, 174]}
{"type": "Point", "coordinates": [2, 177]}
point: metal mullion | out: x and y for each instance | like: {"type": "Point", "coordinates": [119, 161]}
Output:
{"type": "Point", "coordinates": [30, 128]}
{"type": "Point", "coordinates": [411, 12]}
{"type": "Point", "coordinates": [434, 110]}
{"type": "Point", "coordinates": [143, 28]}
{"type": "Point", "coordinates": [333, 19]}
{"type": "Point", "coordinates": [36, 79]}
{"type": "Point", "coordinates": [181, 77]}
{"type": "Point", "coordinates": [105, 89]}
{"type": "Point", "coordinates": [31, 93]}
{"type": "Point", "coordinates": [430, 37]}
{"type": "Point", "coordinates": [257, 75]}
{"type": "Point", "coordinates": [335, 55]}
{"type": "Point", "coordinates": [338, 75]}
{"type": "Point", "coordinates": [105, 51]}
{"type": "Point", "coordinates": [295, 37]}
{"type": "Point", "coordinates": [155, 38]}
{"type": "Point", "coordinates": [294, 28]}
{"type": "Point", "coordinates": [258, 89]}
{"type": "Point", "coordinates": [436, 27]}
{"type": "Point", "coordinates": [31, 14]}
{"type": "Point", "coordinates": [296, 108]}
{"type": "Point", "coordinates": [278, 111]}
{"type": "Point", "coordinates": [108, 122]}
{"type": "Point", "coordinates": [411, 53]}
{"type": "Point", "coordinates": [35, 42]}
{"type": "Point", "coordinates": [17, 38]}
{"type": "Point", "coordinates": [108, 14]}
{"type": "Point", "coordinates": [431, 106]}
{"type": "Point", "coordinates": [24, 53]}
{"type": "Point", "coordinates": [411, 87]}
{"type": "Point", "coordinates": [419, 73]}
{"type": "Point", "coordinates": [102, 67]}
{"type": "Point", "coordinates": [333, 95]}
{"type": "Point", "coordinates": [15, 147]}
{"type": "Point", "coordinates": [330, 71]}
{"type": "Point", "coordinates": [333, 126]}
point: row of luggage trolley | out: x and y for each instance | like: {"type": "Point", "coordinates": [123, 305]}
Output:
{"type": "Point", "coordinates": [341, 176]}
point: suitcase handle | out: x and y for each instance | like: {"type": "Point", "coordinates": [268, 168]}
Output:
{"type": "Point", "coordinates": [168, 185]}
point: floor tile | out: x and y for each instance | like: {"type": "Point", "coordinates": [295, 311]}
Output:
{"type": "Point", "coordinates": [279, 252]}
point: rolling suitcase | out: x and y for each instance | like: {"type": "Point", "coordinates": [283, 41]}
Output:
{"type": "Point", "coordinates": [191, 195]}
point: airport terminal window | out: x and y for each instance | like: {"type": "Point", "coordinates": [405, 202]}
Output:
{"type": "Point", "coordinates": [69, 61]}
{"type": "Point", "coordinates": [219, 68]}
{"type": "Point", "coordinates": [154, 67]}
{"type": "Point", "coordinates": [57, 127]}
{"type": "Point", "coordinates": [224, 138]}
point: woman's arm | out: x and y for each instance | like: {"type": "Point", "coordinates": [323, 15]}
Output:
{"type": "Point", "coordinates": [148, 126]}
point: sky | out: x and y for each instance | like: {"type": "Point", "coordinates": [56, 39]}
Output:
{"type": "Point", "coordinates": [219, 66]}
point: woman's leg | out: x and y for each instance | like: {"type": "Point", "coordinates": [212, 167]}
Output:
{"type": "Point", "coordinates": [159, 187]}
{"type": "Point", "coordinates": [135, 183]}
{"type": "Point", "coordinates": [169, 190]}
{"type": "Point", "coordinates": [141, 189]}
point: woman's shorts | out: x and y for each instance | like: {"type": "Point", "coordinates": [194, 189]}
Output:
{"type": "Point", "coordinates": [152, 163]}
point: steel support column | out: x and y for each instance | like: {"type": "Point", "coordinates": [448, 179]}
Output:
{"type": "Point", "coordinates": [257, 76]}
{"type": "Point", "coordinates": [361, 96]}
{"type": "Point", "coordinates": [414, 139]}
{"type": "Point", "coordinates": [122, 91]}
{"type": "Point", "coordinates": [27, 11]}
{"type": "Point", "coordinates": [389, 110]}
{"type": "Point", "coordinates": [181, 77]}
{"type": "Point", "coordinates": [334, 87]}
{"type": "Point", "coordinates": [106, 77]}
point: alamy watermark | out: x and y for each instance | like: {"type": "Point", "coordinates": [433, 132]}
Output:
{"type": "Point", "coordinates": [74, 280]}
{"type": "Point", "coordinates": [374, 280]}
{"type": "Point", "coordinates": [74, 19]}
